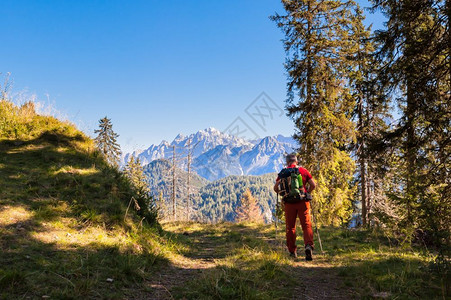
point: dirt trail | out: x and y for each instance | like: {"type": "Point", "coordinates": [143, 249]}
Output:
{"type": "Point", "coordinates": [317, 279]}
{"type": "Point", "coordinates": [184, 269]}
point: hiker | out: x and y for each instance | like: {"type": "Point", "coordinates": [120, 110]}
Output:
{"type": "Point", "coordinates": [291, 185]}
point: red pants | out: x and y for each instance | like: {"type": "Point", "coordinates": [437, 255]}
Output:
{"type": "Point", "coordinates": [292, 210]}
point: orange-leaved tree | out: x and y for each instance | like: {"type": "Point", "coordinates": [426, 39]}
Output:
{"type": "Point", "coordinates": [248, 210]}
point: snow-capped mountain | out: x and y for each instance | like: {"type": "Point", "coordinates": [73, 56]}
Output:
{"type": "Point", "coordinates": [265, 157]}
{"type": "Point", "coordinates": [215, 155]}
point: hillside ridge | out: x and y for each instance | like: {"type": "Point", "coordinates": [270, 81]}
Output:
{"type": "Point", "coordinates": [64, 223]}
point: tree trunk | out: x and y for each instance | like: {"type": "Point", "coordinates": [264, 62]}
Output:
{"type": "Point", "coordinates": [410, 147]}
{"type": "Point", "coordinates": [362, 162]}
{"type": "Point", "coordinates": [309, 66]}
{"type": "Point", "coordinates": [364, 195]}
{"type": "Point", "coordinates": [174, 214]}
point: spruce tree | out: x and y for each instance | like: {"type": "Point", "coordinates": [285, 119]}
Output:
{"type": "Point", "coordinates": [146, 204]}
{"type": "Point", "coordinates": [135, 173]}
{"type": "Point", "coordinates": [415, 68]}
{"type": "Point", "coordinates": [318, 42]}
{"type": "Point", "coordinates": [248, 210]}
{"type": "Point", "coordinates": [106, 141]}
{"type": "Point", "coordinates": [369, 116]}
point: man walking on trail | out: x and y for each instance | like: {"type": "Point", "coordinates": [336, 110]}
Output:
{"type": "Point", "coordinates": [291, 185]}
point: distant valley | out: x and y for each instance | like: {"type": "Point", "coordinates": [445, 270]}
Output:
{"type": "Point", "coordinates": [222, 167]}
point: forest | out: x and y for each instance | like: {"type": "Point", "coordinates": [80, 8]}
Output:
{"type": "Point", "coordinates": [372, 112]}
{"type": "Point", "coordinates": [213, 201]}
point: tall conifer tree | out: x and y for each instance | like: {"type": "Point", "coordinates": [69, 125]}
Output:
{"type": "Point", "coordinates": [106, 141]}
{"type": "Point", "coordinates": [370, 113]}
{"type": "Point", "coordinates": [318, 42]}
{"type": "Point", "coordinates": [415, 55]}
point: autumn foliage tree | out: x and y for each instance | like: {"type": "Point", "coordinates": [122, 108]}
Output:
{"type": "Point", "coordinates": [248, 210]}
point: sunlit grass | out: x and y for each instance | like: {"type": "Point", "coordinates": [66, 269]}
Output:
{"type": "Point", "coordinates": [64, 234]}
{"type": "Point", "coordinates": [75, 171]}
{"type": "Point", "coordinates": [251, 266]}
{"type": "Point", "coordinates": [63, 228]}
{"type": "Point", "coordinates": [245, 266]}
{"type": "Point", "coordinates": [373, 265]}
{"type": "Point", "coordinates": [10, 215]}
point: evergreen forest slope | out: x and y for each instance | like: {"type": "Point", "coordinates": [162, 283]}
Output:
{"type": "Point", "coordinates": [211, 201]}
{"type": "Point", "coordinates": [219, 199]}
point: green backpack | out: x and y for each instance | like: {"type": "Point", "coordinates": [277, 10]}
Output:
{"type": "Point", "coordinates": [291, 187]}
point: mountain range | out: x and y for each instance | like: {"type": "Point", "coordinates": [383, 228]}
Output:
{"type": "Point", "coordinates": [215, 155]}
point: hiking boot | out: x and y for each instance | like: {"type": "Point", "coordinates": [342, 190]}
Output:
{"type": "Point", "coordinates": [293, 254]}
{"type": "Point", "coordinates": [308, 252]}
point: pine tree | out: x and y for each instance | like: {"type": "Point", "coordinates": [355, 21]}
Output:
{"type": "Point", "coordinates": [369, 115]}
{"type": "Point", "coordinates": [415, 59]}
{"type": "Point", "coordinates": [106, 141]}
{"type": "Point", "coordinates": [359, 77]}
{"type": "Point", "coordinates": [248, 210]}
{"type": "Point", "coordinates": [318, 42]}
{"type": "Point", "coordinates": [134, 171]}
{"type": "Point", "coordinates": [146, 204]}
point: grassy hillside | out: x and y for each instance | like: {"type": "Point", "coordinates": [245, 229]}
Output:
{"type": "Point", "coordinates": [64, 231]}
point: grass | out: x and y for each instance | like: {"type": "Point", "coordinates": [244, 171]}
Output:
{"type": "Point", "coordinates": [384, 268]}
{"type": "Point", "coordinates": [62, 227]}
{"type": "Point", "coordinates": [248, 264]}
{"type": "Point", "coordinates": [237, 262]}
{"type": "Point", "coordinates": [64, 235]}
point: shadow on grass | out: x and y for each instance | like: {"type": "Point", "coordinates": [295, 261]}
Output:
{"type": "Point", "coordinates": [30, 267]}
{"type": "Point", "coordinates": [358, 264]}
{"type": "Point", "coordinates": [53, 179]}
{"type": "Point", "coordinates": [245, 265]}
{"type": "Point", "coordinates": [51, 172]}
{"type": "Point", "coordinates": [215, 241]}
{"type": "Point", "coordinates": [394, 277]}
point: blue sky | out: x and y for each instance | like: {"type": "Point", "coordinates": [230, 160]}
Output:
{"type": "Point", "coordinates": [156, 68]}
